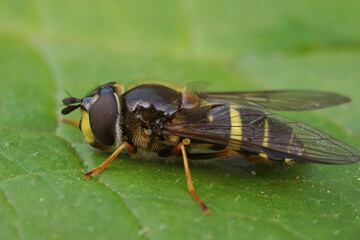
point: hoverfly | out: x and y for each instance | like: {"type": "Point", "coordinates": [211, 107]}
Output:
{"type": "Point", "coordinates": [157, 118]}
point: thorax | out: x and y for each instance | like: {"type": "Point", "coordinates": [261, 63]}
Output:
{"type": "Point", "coordinates": [146, 109]}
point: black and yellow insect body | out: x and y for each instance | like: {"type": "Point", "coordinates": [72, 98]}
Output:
{"type": "Point", "coordinates": [156, 118]}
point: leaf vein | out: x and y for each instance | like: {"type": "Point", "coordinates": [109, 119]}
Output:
{"type": "Point", "coordinates": [15, 211]}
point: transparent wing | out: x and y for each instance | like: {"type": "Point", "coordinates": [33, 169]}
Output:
{"type": "Point", "coordinates": [261, 132]}
{"type": "Point", "coordinates": [283, 100]}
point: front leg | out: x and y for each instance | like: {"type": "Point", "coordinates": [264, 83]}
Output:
{"type": "Point", "coordinates": [103, 165]}
{"type": "Point", "coordinates": [69, 121]}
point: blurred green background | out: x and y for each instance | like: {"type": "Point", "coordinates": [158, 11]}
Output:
{"type": "Point", "coordinates": [49, 46]}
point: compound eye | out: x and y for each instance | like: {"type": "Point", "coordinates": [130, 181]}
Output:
{"type": "Point", "coordinates": [103, 115]}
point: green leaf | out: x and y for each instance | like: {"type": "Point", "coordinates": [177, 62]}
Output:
{"type": "Point", "coordinates": [49, 46]}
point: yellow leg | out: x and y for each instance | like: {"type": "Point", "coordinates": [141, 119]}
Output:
{"type": "Point", "coordinates": [189, 181]}
{"type": "Point", "coordinates": [69, 121]}
{"type": "Point", "coordinates": [109, 159]}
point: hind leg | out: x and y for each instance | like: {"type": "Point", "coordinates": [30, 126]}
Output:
{"type": "Point", "coordinates": [228, 153]}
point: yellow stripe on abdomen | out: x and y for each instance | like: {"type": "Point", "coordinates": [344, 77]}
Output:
{"type": "Point", "coordinates": [235, 119]}
{"type": "Point", "coordinates": [265, 139]}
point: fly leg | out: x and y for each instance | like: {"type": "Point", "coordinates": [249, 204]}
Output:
{"type": "Point", "coordinates": [177, 149]}
{"type": "Point", "coordinates": [69, 121]}
{"type": "Point", "coordinates": [109, 159]}
{"type": "Point", "coordinates": [208, 156]}
{"type": "Point", "coordinates": [228, 153]}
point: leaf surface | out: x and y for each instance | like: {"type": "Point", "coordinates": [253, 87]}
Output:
{"type": "Point", "coordinates": [49, 46]}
